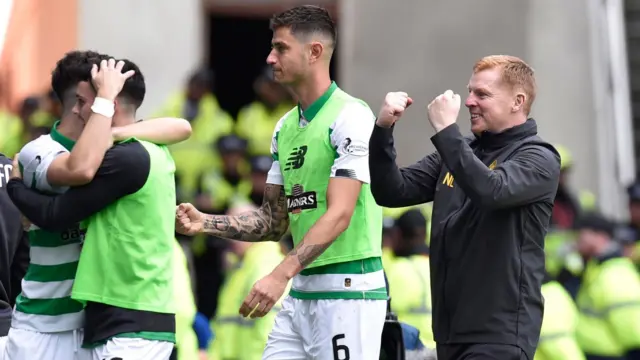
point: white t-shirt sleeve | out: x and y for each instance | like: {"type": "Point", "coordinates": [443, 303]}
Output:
{"type": "Point", "coordinates": [350, 137]}
{"type": "Point", "coordinates": [35, 159]}
{"type": "Point", "coordinates": [275, 174]}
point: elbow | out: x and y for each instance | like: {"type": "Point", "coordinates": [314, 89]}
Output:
{"type": "Point", "coordinates": [83, 176]}
{"type": "Point", "coordinates": [76, 173]}
{"type": "Point", "coordinates": [380, 198]}
{"type": "Point", "coordinates": [384, 198]}
{"type": "Point", "coordinates": [380, 194]}
{"type": "Point", "coordinates": [343, 223]}
{"type": "Point", "coordinates": [340, 219]}
{"type": "Point", "coordinates": [48, 222]}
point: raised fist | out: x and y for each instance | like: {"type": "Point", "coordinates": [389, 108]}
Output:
{"type": "Point", "coordinates": [443, 110]}
{"type": "Point", "coordinates": [394, 105]}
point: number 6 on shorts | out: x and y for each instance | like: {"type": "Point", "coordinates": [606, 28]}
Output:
{"type": "Point", "coordinates": [337, 347]}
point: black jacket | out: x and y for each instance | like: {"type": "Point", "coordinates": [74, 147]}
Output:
{"type": "Point", "coordinates": [14, 249]}
{"type": "Point", "coordinates": [493, 196]}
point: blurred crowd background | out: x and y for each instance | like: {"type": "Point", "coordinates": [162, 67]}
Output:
{"type": "Point", "coordinates": [205, 61]}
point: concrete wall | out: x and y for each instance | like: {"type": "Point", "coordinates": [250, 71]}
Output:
{"type": "Point", "coordinates": [426, 47]}
{"type": "Point", "coordinates": [164, 37]}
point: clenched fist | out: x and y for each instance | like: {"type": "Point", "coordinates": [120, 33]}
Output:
{"type": "Point", "coordinates": [443, 110]}
{"type": "Point", "coordinates": [189, 221]}
{"type": "Point", "coordinates": [395, 103]}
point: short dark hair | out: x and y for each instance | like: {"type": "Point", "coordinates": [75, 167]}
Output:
{"type": "Point", "coordinates": [73, 68]}
{"type": "Point", "coordinates": [76, 65]}
{"type": "Point", "coordinates": [305, 20]}
{"type": "Point", "coordinates": [134, 88]}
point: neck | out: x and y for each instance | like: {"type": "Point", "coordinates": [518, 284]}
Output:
{"type": "Point", "coordinates": [513, 122]}
{"type": "Point", "coordinates": [123, 119]}
{"type": "Point", "coordinates": [69, 130]}
{"type": "Point", "coordinates": [312, 88]}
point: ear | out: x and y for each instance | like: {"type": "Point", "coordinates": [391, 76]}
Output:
{"type": "Point", "coordinates": [316, 49]}
{"type": "Point", "coordinates": [118, 105]}
{"type": "Point", "coordinates": [519, 102]}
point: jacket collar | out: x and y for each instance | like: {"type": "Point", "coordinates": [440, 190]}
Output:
{"type": "Point", "coordinates": [491, 140]}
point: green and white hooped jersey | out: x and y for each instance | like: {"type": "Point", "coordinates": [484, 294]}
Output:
{"type": "Point", "coordinates": [45, 304]}
{"type": "Point", "coordinates": [331, 140]}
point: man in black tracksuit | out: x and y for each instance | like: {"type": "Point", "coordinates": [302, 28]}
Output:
{"type": "Point", "coordinates": [14, 249]}
{"type": "Point", "coordinates": [493, 196]}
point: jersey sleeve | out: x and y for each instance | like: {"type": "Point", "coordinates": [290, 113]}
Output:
{"type": "Point", "coordinates": [124, 170]}
{"type": "Point", "coordinates": [35, 158]}
{"type": "Point", "coordinates": [275, 174]}
{"type": "Point", "coordinates": [350, 135]}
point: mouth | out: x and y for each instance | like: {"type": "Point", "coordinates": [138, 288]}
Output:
{"type": "Point", "coordinates": [475, 117]}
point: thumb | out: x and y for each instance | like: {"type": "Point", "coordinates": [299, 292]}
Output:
{"type": "Point", "coordinates": [409, 101]}
{"type": "Point", "coordinates": [129, 74]}
{"type": "Point", "coordinates": [94, 70]}
{"type": "Point", "coordinates": [190, 209]}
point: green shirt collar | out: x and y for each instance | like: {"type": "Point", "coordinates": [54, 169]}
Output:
{"type": "Point", "coordinates": [63, 140]}
{"type": "Point", "coordinates": [315, 107]}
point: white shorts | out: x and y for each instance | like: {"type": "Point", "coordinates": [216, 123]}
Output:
{"type": "Point", "coordinates": [28, 345]}
{"type": "Point", "coordinates": [327, 330]}
{"type": "Point", "coordinates": [133, 349]}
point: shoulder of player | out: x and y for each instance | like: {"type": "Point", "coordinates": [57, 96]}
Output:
{"type": "Point", "coordinates": [40, 147]}
{"type": "Point", "coordinates": [355, 114]}
{"type": "Point", "coordinates": [43, 141]}
{"type": "Point", "coordinates": [284, 118]}
{"type": "Point", "coordinates": [127, 155]}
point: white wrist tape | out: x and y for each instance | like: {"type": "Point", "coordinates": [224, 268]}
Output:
{"type": "Point", "coordinates": [103, 107]}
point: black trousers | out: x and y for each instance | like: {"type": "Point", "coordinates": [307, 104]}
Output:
{"type": "Point", "coordinates": [479, 352]}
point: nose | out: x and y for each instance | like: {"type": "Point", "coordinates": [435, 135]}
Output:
{"type": "Point", "coordinates": [471, 101]}
{"type": "Point", "coordinates": [271, 58]}
{"type": "Point", "coordinates": [75, 110]}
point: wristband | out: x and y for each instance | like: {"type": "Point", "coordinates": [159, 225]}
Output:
{"type": "Point", "coordinates": [103, 107]}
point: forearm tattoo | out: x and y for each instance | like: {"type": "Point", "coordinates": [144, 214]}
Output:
{"type": "Point", "coordinates": [306, 254]}
{"type": "Point", "coordinates": [269, 222]}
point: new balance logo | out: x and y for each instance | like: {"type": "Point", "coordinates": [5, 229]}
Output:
{"type": "Point", "coordinates": [296, 158]}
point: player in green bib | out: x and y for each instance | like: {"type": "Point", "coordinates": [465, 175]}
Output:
{"type": "Point", "coordinates": [125, 271]}
{"type": "Point", "coordinates": [47, 324]}
{"type": "Point", "coordinates": [319, 186]}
